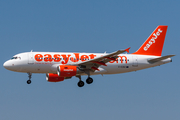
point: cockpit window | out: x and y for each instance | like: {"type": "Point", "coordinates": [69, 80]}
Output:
{"type": "Point", "coordinates": [15, 57]}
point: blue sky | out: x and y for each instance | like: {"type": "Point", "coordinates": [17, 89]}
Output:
{"type": "Point", "coordinates": [89, 26]}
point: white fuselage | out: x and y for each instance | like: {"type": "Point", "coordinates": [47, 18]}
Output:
{"type": "Point", "coordinates": [47, 62]}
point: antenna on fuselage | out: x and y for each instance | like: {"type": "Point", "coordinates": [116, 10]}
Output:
{"type": "Point", "coordinates": [31, 50]}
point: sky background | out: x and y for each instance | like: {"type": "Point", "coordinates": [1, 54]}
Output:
{"type": "Point", "coordinates": [89, 26]}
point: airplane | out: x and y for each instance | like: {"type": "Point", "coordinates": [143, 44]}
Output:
{"type": "Point", "coordinates": [59, 66]}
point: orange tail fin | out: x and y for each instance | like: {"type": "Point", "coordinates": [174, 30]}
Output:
{"type": "Point", "coordinates": [154, 44]}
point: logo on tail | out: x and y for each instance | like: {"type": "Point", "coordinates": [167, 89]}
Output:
{"type": "Point", "coordinates": [154, 44]}
{"type": "Point", "coordinates": [152, 40]}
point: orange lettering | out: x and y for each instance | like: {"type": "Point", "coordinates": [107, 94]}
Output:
{"type": "Point", "coordinates": [84, 57]}
{"type": "Point", "coordinates": [47, 57]}
{"type": "Point", "coordinates": [38, 57]}
{"type": "Point", "coordinates": [92, 56]}
{"type": "Point", "coordinates": [66, 59]}
{"type": "Point", "coordinates": [121, 57]}
{"type": "Point", "coordinates": [57, 58]}
{"type": "Point", "coordinates": [76, 59]}
{"type": "Point", "coordinates": [112, 61]}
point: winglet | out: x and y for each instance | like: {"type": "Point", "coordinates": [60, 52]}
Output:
{"type": "Point", "coordinates": [127, 50]}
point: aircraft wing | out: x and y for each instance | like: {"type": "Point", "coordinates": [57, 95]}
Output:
{"type": "Point", "coordinates": [93, 64]}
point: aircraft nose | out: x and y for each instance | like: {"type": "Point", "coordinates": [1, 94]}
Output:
{"type": "Point", "coordinates": [6, 65]}
{"type": "Point", "coordinates": [9, 65]}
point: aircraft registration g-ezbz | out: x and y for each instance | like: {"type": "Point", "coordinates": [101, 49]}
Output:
{"type": "Point", "coordinates": [59, 66]}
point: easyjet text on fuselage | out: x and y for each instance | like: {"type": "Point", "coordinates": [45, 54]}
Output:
{"type": "Point", "coordinates": [65, 58]}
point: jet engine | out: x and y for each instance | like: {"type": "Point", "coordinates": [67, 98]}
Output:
{"type": "Point", "coordinates": [67, 71]}
{"type": "Point", "coordinates": [51, 77]}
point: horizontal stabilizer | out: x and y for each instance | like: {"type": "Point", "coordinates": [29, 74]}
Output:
{"type": "Point", "coordinates": [160, 58]}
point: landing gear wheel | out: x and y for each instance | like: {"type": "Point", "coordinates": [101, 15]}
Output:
{"type": "Point", "coordinates": [80, 83]}
{"type": "Point", "coordinates": [29, 82]}
{"type": "Point", "coordinates": [89, 80]}
{"type": "Point", "coordinates": [29, 75]}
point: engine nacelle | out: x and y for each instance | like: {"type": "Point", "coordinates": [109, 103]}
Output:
{"type": "Point", "coordinates": [67, 70]}
{"type": "Point", "coordinates": [51, 77]}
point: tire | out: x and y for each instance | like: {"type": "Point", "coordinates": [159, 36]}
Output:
{"type": "Point", "coordinates": [89, 80]}
{"type": "Point", "coordinates": [80, 83]}
{"type": "Point", "coordinates": [29, 82]}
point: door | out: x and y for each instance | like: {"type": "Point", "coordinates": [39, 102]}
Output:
{"type": "Point", "coordinates": [135, 61]}
{"type": "Point", "coordinates": [30, 58]}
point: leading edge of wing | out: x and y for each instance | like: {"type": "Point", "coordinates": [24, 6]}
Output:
{"type": "Point", "coordinates": [111, 56]}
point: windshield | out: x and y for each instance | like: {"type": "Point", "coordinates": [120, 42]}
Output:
{"type": "Point", "coordinates": [15, 57]}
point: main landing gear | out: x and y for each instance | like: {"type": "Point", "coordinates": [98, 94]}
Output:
{"type": "Point", "coordinates": [89, 80]}
{"type": "Point", "coordinates": [29, 75]}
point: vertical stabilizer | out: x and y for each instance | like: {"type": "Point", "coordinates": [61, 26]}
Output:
{"type": "Point", "coordinates": [154, 44]}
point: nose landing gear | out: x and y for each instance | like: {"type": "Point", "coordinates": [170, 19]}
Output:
{"type": "Point", "coordinates": [29, 75]}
